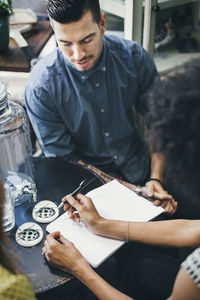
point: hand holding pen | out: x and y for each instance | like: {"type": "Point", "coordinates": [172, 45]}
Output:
{"type": "Point", "coordinates": [83, 210]}
{"type": "Point", "coordinates": [81, 186]}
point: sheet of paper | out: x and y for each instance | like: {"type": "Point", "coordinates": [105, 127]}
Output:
{"type": "Point", "coordinates": [94, 248]}
{"type": "Point", "coordinates": [113, 201]}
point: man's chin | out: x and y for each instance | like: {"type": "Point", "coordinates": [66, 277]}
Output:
{"type": "Point", "coordinates": [84, 66]}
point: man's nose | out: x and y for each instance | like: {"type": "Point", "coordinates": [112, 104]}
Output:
{"type": "Point", "coordinates": [79, 52]}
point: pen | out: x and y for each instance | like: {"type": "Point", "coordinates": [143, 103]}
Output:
{"type": "Point", "coordinates": [81, 186]}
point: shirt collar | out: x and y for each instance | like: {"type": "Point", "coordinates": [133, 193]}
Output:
{"type": "Point", "coordinates": [100, 66]}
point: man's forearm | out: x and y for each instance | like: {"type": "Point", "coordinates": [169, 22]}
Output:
{"type": "Point", "coordinates": [157, 165]}
{"type": "Point", "coordinates": [106, 177]}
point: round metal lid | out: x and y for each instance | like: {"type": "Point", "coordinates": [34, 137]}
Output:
{"type": "Point", "coordinates": [45, 211]}
{"type": "Point", "coordinates": [29, 234]}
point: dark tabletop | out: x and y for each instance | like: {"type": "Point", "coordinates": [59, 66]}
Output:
{"type": "Point", "coordinates": [54, 177]}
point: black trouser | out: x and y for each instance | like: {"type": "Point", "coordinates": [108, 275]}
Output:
{"type": "Point", "coordinates": [149, 272]}
{"type": "Point", "coordinates": [188, 208]}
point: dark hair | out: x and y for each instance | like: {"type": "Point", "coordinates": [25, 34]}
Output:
{"type": "Point", "coordinates": [174, 124]}
{"type": "Point", "coordinates": [6, 257]}
{"type": "Point", "coordinates": [66, 11]}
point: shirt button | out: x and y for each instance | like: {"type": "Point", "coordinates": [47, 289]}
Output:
{"type": "Point", "coordinates": [102, 110]}
{"type": "Point", "coordinates": [104, 68]}
{"type": "Point", "coordinates": [97, 84]}
{"type": "Point", "coordinates": [115, 157]}
{"type": "Point", "coordinates": [107, 134]}
{"type": "Point", "coordinates": [83, 77]}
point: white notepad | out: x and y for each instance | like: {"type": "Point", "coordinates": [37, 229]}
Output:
{"type": "Point", "coordinates": [113, 201]}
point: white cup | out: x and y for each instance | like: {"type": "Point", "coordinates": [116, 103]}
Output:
{"type": "Point", "coordinates": [9, 210]}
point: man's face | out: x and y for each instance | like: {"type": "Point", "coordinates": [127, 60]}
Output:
{"type": "Point", "coordinates": [80, 41]}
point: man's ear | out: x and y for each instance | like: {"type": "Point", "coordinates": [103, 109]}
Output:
{"type": "Point", "coordinates": [103, 23]}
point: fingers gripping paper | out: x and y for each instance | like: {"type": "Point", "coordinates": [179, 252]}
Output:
{"type": "Point", "coordinates": [113, 201]}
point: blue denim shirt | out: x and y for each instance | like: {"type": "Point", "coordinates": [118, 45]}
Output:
{"type": "Point", "coordinates": [91, 115]}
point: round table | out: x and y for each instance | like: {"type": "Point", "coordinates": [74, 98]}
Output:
{"type": "Point", "coordinates": [55, 178]}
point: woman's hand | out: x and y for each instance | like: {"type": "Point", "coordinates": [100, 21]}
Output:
{"type": "Point", "coordinates": [62, 254]}
{"type": "Point", "coordinates": [83, 207]}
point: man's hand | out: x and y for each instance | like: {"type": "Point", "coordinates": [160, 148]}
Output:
{"type": "Point", "coordinates": [83, 207]}
{"type": "Point", "coordinates": [62, 254]}
{"type": "Point", "coordinates": [154, 191]}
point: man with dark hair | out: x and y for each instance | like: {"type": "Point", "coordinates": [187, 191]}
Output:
{"type": "Point", "coordinates": [71, 11]}
{"type": "Point", "coordinates": [81, 99]}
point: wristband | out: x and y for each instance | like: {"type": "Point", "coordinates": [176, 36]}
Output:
{"type": "Point", "coordinates": [155, 179]}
